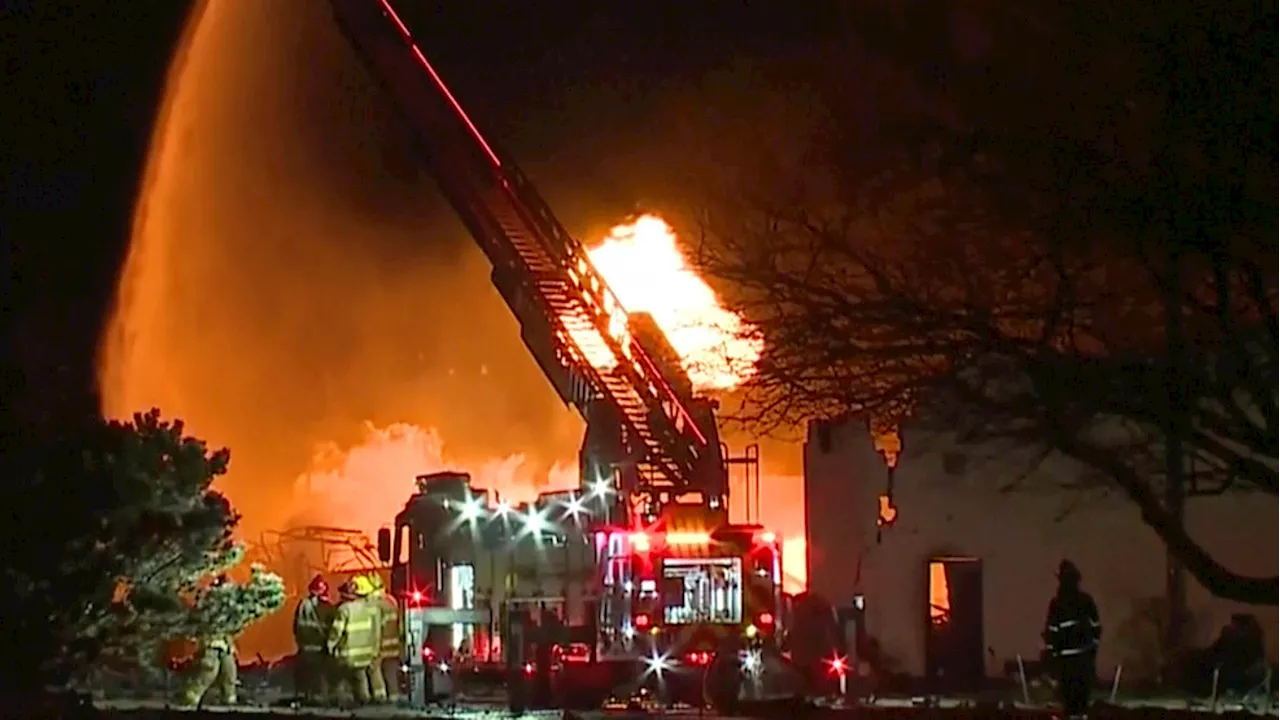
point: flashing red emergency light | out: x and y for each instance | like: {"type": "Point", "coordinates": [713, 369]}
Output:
{"type": "Point", "coordinates": [700, 657]}
{"type": "Point", "coordinates": [642, 621]}
{"type": "Point", "coordinates": [427, 653]}
{"type": "Point", "coordinates": [416, 597]}
{"type": "Point", "coordinates": [639, 541]}
{"type": "Point", "coordinates": [528, 668]}
{"type": "Point", "coordinates": [576, 653]}
{"type": "Point", "coordinates": [838, 666]}
{"type": "Point", "coordinates": [766, 619]}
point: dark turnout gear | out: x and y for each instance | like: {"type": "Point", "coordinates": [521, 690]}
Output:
{"type": "Point", "coordinates": [1072, 626]}
{"type": "Point", "coordinates": [311, 621]}
{"type": "Point", "coordinates": [1239, 654]}
{"type": "Point", "coordinates": [1072, 633]}
{"type": "Point", "coordinates": [313, 676]}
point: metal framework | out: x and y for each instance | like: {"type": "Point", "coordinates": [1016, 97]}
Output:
{"type": "Point", "coordinates": [304, 551]}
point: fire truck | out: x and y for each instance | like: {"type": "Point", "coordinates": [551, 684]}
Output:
{"type": "Point", "coordinates": [654, 474]}
{"type": "Point", "coordinates": [615, 608]}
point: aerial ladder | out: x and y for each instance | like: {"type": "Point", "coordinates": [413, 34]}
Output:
{"type": "Point", "coordinates": [650, 442]}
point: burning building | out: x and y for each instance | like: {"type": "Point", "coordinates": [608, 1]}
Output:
{"type": "Point", "coordinates": [955, 557]}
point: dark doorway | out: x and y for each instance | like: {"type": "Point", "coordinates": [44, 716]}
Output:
{"type": "Point", "coordinates": [953, 656]}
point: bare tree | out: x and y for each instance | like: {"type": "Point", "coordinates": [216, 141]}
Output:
{"type": "Point", "coordinates": [1011, 280]}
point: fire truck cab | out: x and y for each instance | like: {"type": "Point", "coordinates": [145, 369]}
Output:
{"type": "Point", "coordinates": [459, 561]}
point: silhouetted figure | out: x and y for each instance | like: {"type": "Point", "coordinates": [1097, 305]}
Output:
{"type": "Point", "coordinates": [1072, 631]}
{"type": "Point", "coordinates": [814, 640]}
{"type": "Point", "coordinates": [1239, 654]}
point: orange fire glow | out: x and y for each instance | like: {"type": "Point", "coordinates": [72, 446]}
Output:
{"type": "Point", "coordinates": [272, 304]}
{"type": "Point", "coordinates": [886, 437]}
{"type": "Point", "coordinates": [939, 594]}
{"type": "Point", "coordinates": [795, 574]}
{"type": "Point", "coordinates": [362, 488]}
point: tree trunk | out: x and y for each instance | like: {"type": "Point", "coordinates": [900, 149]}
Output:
{"type": "Point", "coordinates": [1175, 465]}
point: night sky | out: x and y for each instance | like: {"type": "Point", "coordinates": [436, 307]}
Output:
{"type": "Point", "coordinates": [81, 92]}
{"type": "Point", "coordinates": [88, 83]}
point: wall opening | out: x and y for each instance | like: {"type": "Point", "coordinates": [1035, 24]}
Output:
{"type": "Point", "coordinates": [954, 655]}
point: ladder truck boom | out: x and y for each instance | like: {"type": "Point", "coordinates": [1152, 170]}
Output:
{"type": "Point", "coordinates": [570, 320]}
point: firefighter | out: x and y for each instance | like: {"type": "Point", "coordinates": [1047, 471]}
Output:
{"type": "Point", "coordinates": [311, 623]}
{"type": "Point", "coordinates": [383, 678]}
{"type": "Point", "coordinates": [1072, 633]}
{"type": "Point", "coordinates": [373, 680]}
{"type": "Point", "coordinates": [352, 639]}
{"type": "Point", "coordinates": [215, 668]}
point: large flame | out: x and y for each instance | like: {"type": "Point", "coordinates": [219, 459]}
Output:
{"type": "Point", "coordinates": [644, 266]}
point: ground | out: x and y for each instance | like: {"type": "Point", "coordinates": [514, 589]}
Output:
{"type": "Point", "coordinates": [885, 709]}
{"type": "Point", "coordinates": [264, 695]}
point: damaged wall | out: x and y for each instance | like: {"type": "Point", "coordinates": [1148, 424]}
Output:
{"type": "Point", "coordinates": [955, 507]}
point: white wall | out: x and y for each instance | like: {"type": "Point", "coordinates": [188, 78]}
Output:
{"type": "Point", "coordinates": [1020, 537]}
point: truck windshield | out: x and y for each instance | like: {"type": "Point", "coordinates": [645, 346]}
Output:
{"type": "Point", "coordinates": [702, 590]}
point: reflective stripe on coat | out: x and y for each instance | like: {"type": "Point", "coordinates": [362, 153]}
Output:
{"type": "Point", "coordinates": [1072, 626]}
{"type": "Point", "coordinates": [220, 643]}
{"type": "Point", "coordinates": [353, 637]}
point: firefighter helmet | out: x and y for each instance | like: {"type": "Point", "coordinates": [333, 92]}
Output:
{"type": "Point", "coordinates": [361, 586]}
{"type": "Point", "coordinates": [318, 586]}
{"type": "Point", "coordinates": [375, 581]}
{"type": "Point", "coordinates": [1068, 573]}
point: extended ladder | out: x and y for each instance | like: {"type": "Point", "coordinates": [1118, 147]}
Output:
{"type": "Point", "coordinates": [571, 320]}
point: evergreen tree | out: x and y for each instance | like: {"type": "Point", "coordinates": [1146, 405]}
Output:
{"type": "Point", "coordinates": [113, 533]}
{"type": "Point", "coordinates": [227, 608]}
